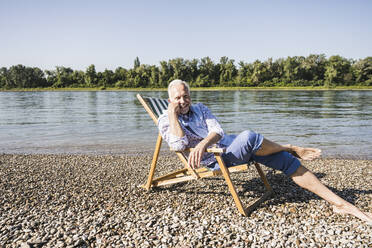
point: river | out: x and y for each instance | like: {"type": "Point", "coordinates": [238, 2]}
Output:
{"type": "Point", "coordinates": [114, 122]}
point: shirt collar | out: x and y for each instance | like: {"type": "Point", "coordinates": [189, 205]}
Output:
{"type": "Point", "coordinates": [186, 117]}
{"type": "Point", "coordinates": [191, 111]}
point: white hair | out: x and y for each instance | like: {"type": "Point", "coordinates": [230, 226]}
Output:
{"type": "Point", "coordinates": [177, 82]}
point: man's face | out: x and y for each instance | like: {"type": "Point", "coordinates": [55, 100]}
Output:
{"type": "Point", "coordinates": [179, 94]}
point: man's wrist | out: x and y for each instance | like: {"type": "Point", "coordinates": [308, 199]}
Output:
{"type": "Point", "coordinates": [173, 113]}
{"type": "Point", "coordinates": [204, 143]}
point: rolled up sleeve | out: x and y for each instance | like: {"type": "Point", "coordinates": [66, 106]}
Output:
{"type": "Point", "coordinates": [175, 143]}
{"type": "Point", "coordinates": [212, 123]}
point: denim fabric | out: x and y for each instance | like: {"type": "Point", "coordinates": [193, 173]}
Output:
{"type": "Point", "coordinates": [283, 161]}
{"type": "Point", "coordinates": [242, 150]}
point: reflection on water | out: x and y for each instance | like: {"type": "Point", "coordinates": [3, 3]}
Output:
{"type": "Point", "coordinates": [339, 122]}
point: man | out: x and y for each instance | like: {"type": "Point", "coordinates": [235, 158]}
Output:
{"type": "Point", "coordinates": [186, 125]}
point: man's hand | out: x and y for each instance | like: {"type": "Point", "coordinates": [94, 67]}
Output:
{"type": "Point", "coordinates": [196, 155]}
{"type": "Point", "coordinates": [174, 108]}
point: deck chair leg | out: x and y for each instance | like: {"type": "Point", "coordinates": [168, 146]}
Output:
{"type": "Point", "coordinates": [153, 163]}
{"type": "Point", "coordinates": [267, 194]}
{"type": "Point", "coordinates": [263, 177]}
{"type": "Point", "coordinates": [226, 175]}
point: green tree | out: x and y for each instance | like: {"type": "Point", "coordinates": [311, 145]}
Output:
{"type": "Point", "coordinates": [138, 77]}
{"type": "Point", "coordinates": [165, 74]}
{"type": "Point", "coordinates": [227, 71]}
{"type": "Point", "coordinates": [292, 69]}
{"type": "Point", "coordinates": [273, 72]}
{"type": "Point", "coordinates": [36, 78]}
{"type": "Point", "coordinates": [245, 74]}
{"type": "Point", "coordinates": [78, 79]}
{"type": "Point", "coordinates": [314, 67]}
{"type": "Point", "coordinates": [91, 79]}
{"type": "Point", "coordinates": [17, 76]}
{"type": "Point", "coordinates": [154, 77]}
{"type": "Point", "coordinates": [338, 71]}
{"type": "Point", "coordinates": [121, 75]}
{"type": "Point", "coordinates": [4, 78]}
{"type": "Point", "coordinates": [362, 70]}
{"type": "Point", "coordinates": [107, 79]}
{"type": "Point", "coordinates": [193, 71]}
{"type": "Point", "coordinates": [143, 74]}
{"type": "Point", "coordinates": [51, 77]}
{"type": "Point", "coordinates": [63, 77]}
{"type": "Point", "coordinates": [137, 63]}
{"type": "Point", "coordinates": [179, 69]}
{"type": "Point", "coordinates": [260, 74]}
{"type": "Point", "coordinates": [208, 73]}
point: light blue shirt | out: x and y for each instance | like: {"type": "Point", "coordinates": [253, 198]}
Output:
{"type": "Point", "coordinates": [196, 124]}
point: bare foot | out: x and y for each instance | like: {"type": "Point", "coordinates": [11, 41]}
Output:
{"type": "Point", "coordinates": [305, 153]}
{"type": "Point", "coordinates": [353, 211]}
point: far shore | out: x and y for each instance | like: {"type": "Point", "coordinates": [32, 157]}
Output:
{"type": "Point", "coordinates": [320, 88]}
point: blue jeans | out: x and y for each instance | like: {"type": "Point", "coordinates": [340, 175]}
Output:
{"type": "Point", "coordinates": [242, 150]}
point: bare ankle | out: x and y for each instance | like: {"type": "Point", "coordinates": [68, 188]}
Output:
{"type": "Point", "coordinates": [288, 147]}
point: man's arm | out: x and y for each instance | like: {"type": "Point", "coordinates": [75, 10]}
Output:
{"type": "Point", "coordinates": [174, 125]}
{"type": "Point", "coordinates": [215, 133]}
{"type": "Point", "coordinates": [198, 152]}
{"type": "Point", "coordinates": [171, 130]}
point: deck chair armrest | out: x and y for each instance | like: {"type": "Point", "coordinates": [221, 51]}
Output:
{"type": "Point", "coordinates": [211, 150]}
{"type": "Point", "coordinates": [216, 150]}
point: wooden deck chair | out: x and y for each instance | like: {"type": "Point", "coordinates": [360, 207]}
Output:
{"type": "Point", "coordinates": [155, 107]}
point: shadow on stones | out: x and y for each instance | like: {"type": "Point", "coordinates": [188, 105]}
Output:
{"type": "Point", "coordinates": [285, 190]}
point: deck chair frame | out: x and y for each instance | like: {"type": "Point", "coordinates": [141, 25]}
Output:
{"type": "Point", "coordinates": [154, 108]}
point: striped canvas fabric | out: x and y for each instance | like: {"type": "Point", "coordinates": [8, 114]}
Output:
{"type": "Point", "coordinates": [158, 106]}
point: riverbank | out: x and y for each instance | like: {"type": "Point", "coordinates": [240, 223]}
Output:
{"type": "Point", "coordinates": [94, 201]}
{"type": "Point", "coordinates": [320, 88]}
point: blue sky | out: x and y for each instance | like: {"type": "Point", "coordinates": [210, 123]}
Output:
{"type": "Point", "coordinates": [111, 33]}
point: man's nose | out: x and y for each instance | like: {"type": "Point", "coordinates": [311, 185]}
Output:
{"type": "Point", "coordinates": [182, 100]}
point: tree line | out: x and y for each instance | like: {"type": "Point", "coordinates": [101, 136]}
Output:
{"type": "Point", "coordinates": [313, 70]}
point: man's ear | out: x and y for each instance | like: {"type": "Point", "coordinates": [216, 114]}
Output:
{"type": "Point", "coordinates": [169, 101]}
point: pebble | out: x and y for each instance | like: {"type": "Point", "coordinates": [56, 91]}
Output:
{"type": "Point", "coordinates": [93, 201]}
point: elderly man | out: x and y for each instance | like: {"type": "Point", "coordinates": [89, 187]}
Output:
{"type": "Point", "coordinates": [186, 125]}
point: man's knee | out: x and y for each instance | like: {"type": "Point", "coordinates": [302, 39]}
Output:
{"type": "Point", "coordinates": [243, 147]}
{"type": "Point", "coordinates": [253, 139]}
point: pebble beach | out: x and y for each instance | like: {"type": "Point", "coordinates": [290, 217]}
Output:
{"type": "Point", "coordinates": [94, 201]}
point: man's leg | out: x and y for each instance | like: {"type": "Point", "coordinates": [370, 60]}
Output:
{"type": "Point", "coordinates": [249, 145]}
{"type": "Point", "coordinates": [307, 180]}
{"type": "Point", "coordinates": [268, 147]}
{"type": "Point", "coordinates": [292, 167]}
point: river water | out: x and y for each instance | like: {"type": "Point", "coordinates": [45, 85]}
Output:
{"type": "Point", "coordinates": [103, 122]}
